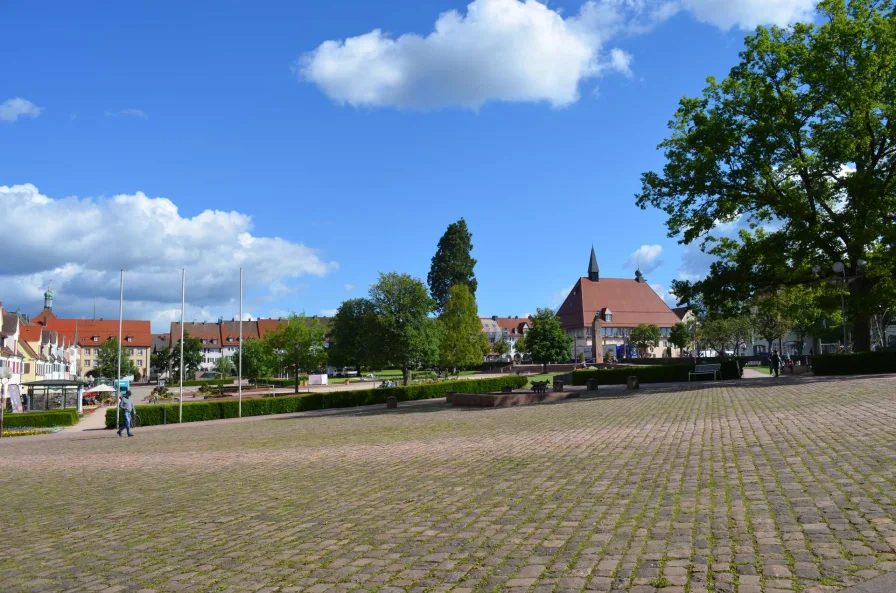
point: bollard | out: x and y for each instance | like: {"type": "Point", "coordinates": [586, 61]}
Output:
{"type": "Point", "coordinates": [633, 382]}
{"type": "Point", "coordinates": [391, 402]}
{"type": "Point", "coordinates": [592, 384]}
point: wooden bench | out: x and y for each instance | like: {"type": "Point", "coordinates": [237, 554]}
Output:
{"type": "Point", "coordinates": [753, 363]}
{"type": "Point", "coordinates": [706, 369]}
{"type": "Point", "coordinates": [539, 386]}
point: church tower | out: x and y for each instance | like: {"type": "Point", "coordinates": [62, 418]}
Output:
{"type": "Point", "coordinates": [48, 300]}
{"type": "Point", "coordinates": [593, 270]}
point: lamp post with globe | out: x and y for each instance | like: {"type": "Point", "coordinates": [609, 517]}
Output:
{"type": "Point", "coordinates": [842, 280]}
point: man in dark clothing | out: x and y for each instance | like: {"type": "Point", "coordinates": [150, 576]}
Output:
{"type": "Point", "coordinates": [776, 362]}
{"type": "Point", "coordinates": [127, 408]}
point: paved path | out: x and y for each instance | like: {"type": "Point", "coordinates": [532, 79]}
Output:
{"type": "Point", "coordinates": [731, 487]}
{"type": "Point", "coordinates": [95, 420]}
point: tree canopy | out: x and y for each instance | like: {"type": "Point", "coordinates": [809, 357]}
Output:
{"type": "Point", "coordinates": [299, 342]}
{"type": "Point", "coordinates": [452, 264]}
{"type": "Point", "coordinates": [645, 336]}
{"type": "Point", "coordinates": [405, 335]}
{"type": "Point", "coordinates": [463, 342]}
{"type": "Point", "coordinates": [797, 146]}
{"type": "Point", "coordinates": [192, 357]}
{"type": "Point", "coordinates": [259, 359]}
{"type": "Point", "coordinates": [546, 342]}
{"type": "Point", "coordinates": [680, 336]}
{"type": "Point", "coordinates": [351, 335]}
{"type": "Point", "coordinates": [108, 360]}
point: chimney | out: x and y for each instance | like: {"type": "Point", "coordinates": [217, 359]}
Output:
{"type": "Point", "coordinates": [494, 318]}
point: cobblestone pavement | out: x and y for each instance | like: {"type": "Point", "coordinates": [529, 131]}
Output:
{"type": "Point", "coordinates": [760, 486]}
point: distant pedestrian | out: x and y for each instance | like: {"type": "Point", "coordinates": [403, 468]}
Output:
{"type": "Point", "coordinates": [776, 362]}
{"type": "Point", "coordinates": [127, 409]}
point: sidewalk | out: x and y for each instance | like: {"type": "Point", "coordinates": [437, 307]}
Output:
{"type": "Point", "coordinates": [95, 420]}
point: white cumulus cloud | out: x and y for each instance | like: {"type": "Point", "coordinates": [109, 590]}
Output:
{"type": "Point", "coordinates": [668, 296]}
{"type": "Point", "coordinates": [500, 50]}
{"type": "Point", "coordinates": [130, 112]}
{"type": "Point", "coordinates": [80, 244]}
{"type": "Point", "coordinates": [13, 109]}
{"type": "Point", "coordinates": [748, 14]}
{"type": "Point", "coordinates": [646, 257]}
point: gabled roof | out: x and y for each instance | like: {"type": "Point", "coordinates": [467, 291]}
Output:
{"type": "Point", "coordinates": [514, 325]}
{"type": "Point", "coordinates": [231, 329]}
{"type": "Point", "coordinates": [681, 312]}
{"type": "Point", "coordinates": [139, 331]}
{"type": "Point", "coordinates": [44, 316]}
{"type": "Point", "coordinates": [10, 324]}
{"type": "Point", "coordinates": [631, 302]}
{"type": "Point", "coordinates": [30, 333]}
{"type": "Point", "coordinates": [203, 330]}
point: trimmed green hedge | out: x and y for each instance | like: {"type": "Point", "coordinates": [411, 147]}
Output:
{"type": "Point", "coordinates": [203, 382]}
{"type": "Point", "coordinates": [651, 374]}
{"type": "Point", "coordinates": [67, 417]}
{"type": "Point", "coordinates": [216, 410]}
{"type": "Point", "coordinates": [858, 363]}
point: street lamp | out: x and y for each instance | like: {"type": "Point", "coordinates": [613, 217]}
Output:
{"type": "Point", "coordinates": [840, 269]}
{"type": "Point", "coordinates": [4, 381]}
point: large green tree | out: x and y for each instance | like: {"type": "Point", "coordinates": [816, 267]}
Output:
{"type": "Point", "coordinates": [452, 264]}
{"type": "Point", "coordinates": [259, 360]}
{"type": "Point", "coordinates": [680, 336]}
{"type": "Point", "coordinates": [463, 342]}
{"type": "Point", "coordinates": [160, 361]}
{"type": "Point", "coordinates": [299, 342]}
{"type": "Point", "coordinates": [108, 361]}
{"type": "Point", "coordinates": [798, 145]}
{"type": "Point", "coordinates": [645, 336]}
{"type": "Point", "coordinates": [352, 335]}
{"type": "Point", "coordinates": [224, 367]}
{"type": "Point", "coordinates": [405, 335]}
{"type": "Point", "coordinates": [546, 342]}
{"type": "Point", "coordinates": [192, 358]}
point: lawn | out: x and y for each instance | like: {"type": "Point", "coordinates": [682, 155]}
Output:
{"type": "Point", "coordinates": [744, 486]}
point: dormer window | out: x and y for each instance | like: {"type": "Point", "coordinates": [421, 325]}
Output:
{"type": "Point", "coordinates": [214, 341]}
{"type": "Point", "coordinates": [129, 338]}
{"type": "Point", "coordinates": [230, 339]}
{"type": "Point", "coordinates": [205, 341]}
{"type": "Point", "coordinates": [95, 338]}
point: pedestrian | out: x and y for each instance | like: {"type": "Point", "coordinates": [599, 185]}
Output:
{"type": "Point", "coordinates": [127, 408]}
{"type": "Point", "coordinates": [776, 362]}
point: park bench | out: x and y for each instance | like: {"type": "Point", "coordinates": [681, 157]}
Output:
{"type": "Point", "coordinates": [706, 369]}
{"type": "Point", "coordinates": [753, 363]}
{"type": "Point", "coordinates": [539, 386]}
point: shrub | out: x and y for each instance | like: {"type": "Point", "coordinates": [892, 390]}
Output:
{"type": "Point", "coordinates": [67, 417]}
{"type": "Point", "coordinates": [205, 382]}
{"type": "Point", "coordinates": [216, 410]}
{"type": "Point", "coordinates": [858, 363]}
{"type": "Point", "coordinates": [667, 373]}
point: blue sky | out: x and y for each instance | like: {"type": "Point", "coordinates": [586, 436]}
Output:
{"type": "Point", "coordinates": [533, 123]}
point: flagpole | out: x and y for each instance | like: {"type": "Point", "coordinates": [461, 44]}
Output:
{"type": "Point", "coordinates": [120, 317]}
{"type": "Point", "coordinates": [183, 300]}
{"type": "Point", "coordinates": [240, 388]}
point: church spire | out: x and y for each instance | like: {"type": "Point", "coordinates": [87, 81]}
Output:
{"type": "Point", "coordinates": [593, 270]}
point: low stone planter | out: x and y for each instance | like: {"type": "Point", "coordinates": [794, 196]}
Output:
{"type": "Point", "coordinates": [633, 383]}
{"type": "Point", "coordinates": [391, 402]}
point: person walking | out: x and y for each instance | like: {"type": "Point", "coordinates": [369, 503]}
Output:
{"type": "Point", "coordinates": [776, 362]}
{"type": "Point", "coordinates": [127, 408]}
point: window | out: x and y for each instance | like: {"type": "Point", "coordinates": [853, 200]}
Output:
{"type": "Point", "coordinates": [129, 339]}
{"type": "Point", "coordinates": [229, 339]}
{"type": "Point", "coordinates": [139, 351]}
{"type": "Point", "coordinates": [214, 341]}
{"type": "Point", "coordinates": [205, 341]}
{"type": "Point", "coordinates": [95, 338]}
{"type": "Point", "coordinates": [139, 363]}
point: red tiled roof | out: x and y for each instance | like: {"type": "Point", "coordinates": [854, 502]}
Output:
{"type": "Point", "coordinates": [231, 329]}
{"type": "Point", "coordinates": [510, 323]}
{"type": "Point", "coordinates": [30, 333]}
{"type": "Point", "coordinates": [44, 316]}
{"type": "Point", "coordinates": [630, 301]}
{"type": "Point", "coordinates": [139, 331]}
{"type": "Point", "coordinates": [202, 330]}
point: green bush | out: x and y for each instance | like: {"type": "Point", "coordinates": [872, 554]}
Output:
{"type": "Point", "coordinates": [216, 410]}
{"type": "Point", "coordinates": [67, 417]}
{"type": "Point", "coordinates": [204, 382]}
{"type": "Point", "coordinates": [668, 373]}
{"type": "Point", "coordinates": [858, 363]}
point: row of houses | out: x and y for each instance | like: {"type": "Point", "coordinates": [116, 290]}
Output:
{"type": "Point", "coordinates": [219, 339]}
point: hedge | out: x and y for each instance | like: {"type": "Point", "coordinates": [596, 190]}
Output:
{"type": "Point", "coordinates": [650, 374]}
{"type": "Point", "coordinates": [67, 417]}
{"type": "Point", "coordinates": [215, 410]}
{"type": "Point", "coordinates": [858, 363]}
{"type": "Point", "coordinates": [203, 382]}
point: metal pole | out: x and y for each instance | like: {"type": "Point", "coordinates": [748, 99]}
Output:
{"type": "Point", "coordinates": [240, 372]}
{"type": "Point", "coordinates": [183, 293]}
{"type": "Point", "coordinates": [843, 309]}
{"type": "Point", "coordinates": [120, 317]}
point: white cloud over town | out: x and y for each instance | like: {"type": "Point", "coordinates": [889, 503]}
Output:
{"type": "Point", "coordinates": [511, 51]}
{"type": "Point", "coordinates": [130, 112]}
{"type": "Point", "coordinates": [12, 109]}
{"type": "Point", "coordinates": [667, 295]}
{"type": "Point", "coordinates": [80, 244]}
{"type": "Point", "coordinates": [646, 257]}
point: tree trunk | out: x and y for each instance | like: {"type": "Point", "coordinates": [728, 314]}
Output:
{"type": "Point", "coordinates": [405, 376]}
{"type": "Point", "coordinates": [297, 377]}
{"type": "Point", "coordinates": [862, 333]}
{"type": "Point", "coordinates": [544, 368]}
